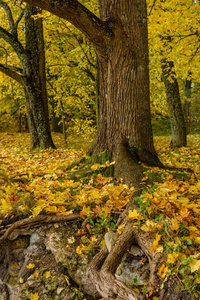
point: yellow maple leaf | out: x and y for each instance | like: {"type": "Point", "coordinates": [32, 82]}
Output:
{"type": "Point", "coordinates": [86, 211]}
{"type": "Point", "coordinates": [172, 257]}
{"type": "Point", "coordinates": [21, 280]}
{"type": "Point", "coordinates": [134, 215]}
{"type": "Point", "coordinates": [174, 224]}
{"type": "Point", "coordinates": [48, 274]}
{"type": "Point", "coordinates": [120, 228]}
{"type": "Point", "coordinates": [34, 296]}
{"type": "Point", "coordinates": [95, 167]}
{"type": "Point", "coordinates": [195, 265]}
{"type": "Point", "coordinates": [154, 245]}
{"type": "Point", "coordinates": [149, 226]}
{"type": "Point", "coordinates": [52, 209]}
{"type": "Point", "coordinates": [71, 240]}
{"type": "Point", "coordinates": [36, 274]}
{"type": "Point", "coordinates": [36, 210]}
{"type": "Point", "coordinates": [30, 266]}
{"type": "Point", "coordinates": [197, 240]}
{"type": "Point", "coordinates": [159, 249]}
{"type": "Point", "coordinates": [163, 271]}
{"type": "Point", "coordinates": [81, 249]}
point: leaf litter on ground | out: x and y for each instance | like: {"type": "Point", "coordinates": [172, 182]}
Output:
{"type": "Point", "coordinates": [40, 182]}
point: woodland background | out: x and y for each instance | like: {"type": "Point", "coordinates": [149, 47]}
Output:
{"type": "Point", "coordinates": [71, 70]}
{"type": "Point", "coordinates": [39, 183]}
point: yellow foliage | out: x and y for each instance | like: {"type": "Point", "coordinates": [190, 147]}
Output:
{"type": "Point", "coordinates": [34, 296]}
{"type": "Point", "coordinates": [155, 243]}
{"type": "Point", "coordinates": [47, 274]}
{"type": "Point", "coordinates": [195, 265]}
{"type": "Point", "coordinates": [172, 257]}
{"type": "Point", "coordinates": [30, 266]}
{"type": "Point", "coordinates": [134, 215]}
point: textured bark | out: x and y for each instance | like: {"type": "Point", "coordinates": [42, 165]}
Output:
{"type": "Point", "coordinates": [35, 77]}
{"type": "Point", "coordinates": [31, 124]}
{"type": "Point", "coordinates": [124, 106]}
{"type": "Point", "coordinates": [176, 116]}
{"type": "Point", "coordinates": [187, 103]}
{"type": "Point", "coordinates": [32, 75]}
{"type": "Point", "coordinates": [102, 269]}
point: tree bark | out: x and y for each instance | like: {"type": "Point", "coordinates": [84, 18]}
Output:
{"type": "Point", "coordinates": [124, 105]}
{"type": "Point", "coordinates": [176, 116]}
{"type": "Point", "coordinates": [32, 75]}
{"type": "Point", "coordinates": [35, 77]}
{"type": "Point", "coordinates": [187, 104]}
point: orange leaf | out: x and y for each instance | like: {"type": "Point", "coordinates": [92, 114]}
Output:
{"type": "Point", "coordinates": [97, 210]}
{"type": "Point", "coordinates": [162, 271]}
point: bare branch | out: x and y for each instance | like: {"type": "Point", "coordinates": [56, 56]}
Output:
{"type": "Point", "coordinates": [14, 43]}
{"type": "Point", "coordinates": [154, 2]}
{"type": "Point", "coordinates": [74, 35]}
{"type": "Point", "coordinates": [7, 9]}
{"type": "Point", "coordinates": [5, 52]}
{"type": "Point", "coordinates": [19, 18]}
{"type": "Point", "coordinates": [11, 71]}
{"type": "Point", "coordinates": [94, 28]}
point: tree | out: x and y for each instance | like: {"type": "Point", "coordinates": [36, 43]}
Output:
{"type": "Point", "coordinates": [32, 74]}
{"type": "Point", "coordinates": [174, 40]}
{"type": "Point", "coordinates": [176, 116]}
{"type": "Point", "coordinates": [121, 46]}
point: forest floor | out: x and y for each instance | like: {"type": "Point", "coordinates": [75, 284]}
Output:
{"type": "Point", "coordinates": [49, 182]}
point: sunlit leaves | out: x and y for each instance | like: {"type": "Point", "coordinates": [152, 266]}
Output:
{"type": "Point", "coordinates": [34, 296]}
{"type": "Point", "coordinates": [134, 215]}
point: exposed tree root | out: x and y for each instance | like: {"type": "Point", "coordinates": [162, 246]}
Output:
{"type": "Point", "coordinates": [103, 266]}
{"type": "Point", "coordinates": [127, 167]}
{"type": "Point", "coordinates": [36, 220]}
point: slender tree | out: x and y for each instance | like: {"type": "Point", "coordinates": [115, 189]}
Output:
{"type": "Point", "coordinates": [32, 74]}
{"type": "Point", "coordinates": [176, 116]}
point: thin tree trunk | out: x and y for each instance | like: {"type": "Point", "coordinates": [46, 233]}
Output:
{"type": "Point", "coordinates": [31, 125]}
{"type": "Point", "coordinates": [35, 77]}
{"type": "Point", "coordinates": [187, 104]}
{"type": "Point", "coordinates": [177, 121]}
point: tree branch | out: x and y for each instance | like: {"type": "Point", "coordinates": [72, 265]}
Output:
{"type": "Point", "coordinates": [19, 18]}
{"type": "Point", "coordinates": [5, 52]}
{"type": "Point", "coordinates": [14, 43]}
{"type": "Point", "coordinates": [9, 71]}
{"type": "Point", "coordinates": [74, 35]}
{"type": "Point", "coordinates": [5, 6]}
{"type": "Point", "coordinates": [94, 28]}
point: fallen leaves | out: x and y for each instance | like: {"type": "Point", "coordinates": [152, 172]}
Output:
{"type": "Point", "coordinates": [40, 182]}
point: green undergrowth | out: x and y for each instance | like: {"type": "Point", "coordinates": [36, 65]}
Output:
{"type": "Point", "coordinates": [82, 169]}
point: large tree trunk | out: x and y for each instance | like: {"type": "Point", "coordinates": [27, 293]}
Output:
{"type": "Point", "coordinates": [124, 106]}
{"type": "Point", "coordinates": [176, 116]}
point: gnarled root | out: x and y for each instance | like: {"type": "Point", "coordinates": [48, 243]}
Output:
{"type": "Point", "coordinates": [103, 266]}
